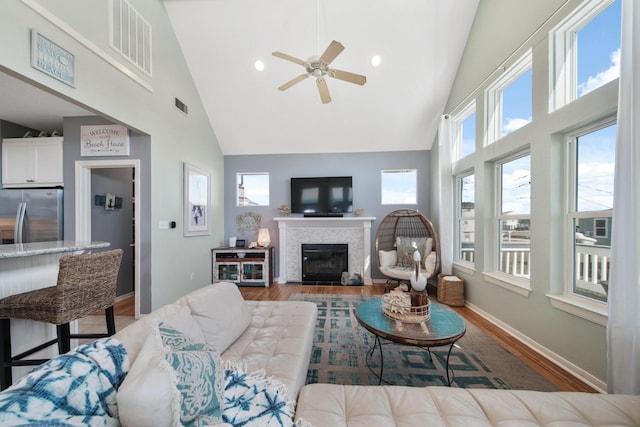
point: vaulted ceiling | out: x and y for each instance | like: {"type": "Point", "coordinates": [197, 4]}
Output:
{"type": "Point", "coordinates": [420, 43]}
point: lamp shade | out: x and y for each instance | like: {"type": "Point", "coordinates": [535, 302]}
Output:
{"type": "Point", "coordinates": [264, 239]}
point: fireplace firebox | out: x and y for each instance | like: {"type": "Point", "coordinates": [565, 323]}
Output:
{"type": "Point", "coordinates": [324, 263]}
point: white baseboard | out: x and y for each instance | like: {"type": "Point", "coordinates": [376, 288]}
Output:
{"type": "Point", "coordinates": [573, 369]}
{"type": "Point", "coordinates": [125, 296]}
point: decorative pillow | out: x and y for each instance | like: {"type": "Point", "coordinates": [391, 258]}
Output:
{"type": "Point", "coordinates": [253, 400]}
{"type": "Point", "coordinates": [430, 263]}
{"type": "Point", "coordinates": [388, 258]}
{"type": "Point", "coordinates": [406, 246]}
{"type": "Point", "coordinates": [221, 312]}
{"type": "Point", "coordinates": [174, 378]}
{"type": "Point", "coordinates": [76, 388]}
{"type": "Point", "coordinates": [179, 316]}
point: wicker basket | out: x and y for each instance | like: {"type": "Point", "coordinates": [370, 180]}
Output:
{"type": "Point", "coordinates": [450, 290]}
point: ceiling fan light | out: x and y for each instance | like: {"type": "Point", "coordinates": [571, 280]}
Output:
{"type": "Point", "coordinates": [259, 65]}
{"type": "Point", "coordinates": [375, 61]}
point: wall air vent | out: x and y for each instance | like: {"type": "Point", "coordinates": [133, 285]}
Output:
{"type": "Point", "coordinates": [130, 34]}
{"type": "Point", "coordinates": [182, 106]}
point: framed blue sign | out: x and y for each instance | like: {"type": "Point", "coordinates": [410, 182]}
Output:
{"type": "Point", "coordinates": [52, 59]}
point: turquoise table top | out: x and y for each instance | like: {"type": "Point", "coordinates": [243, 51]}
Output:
{"type": "Point", "coordinates": [444, 326]}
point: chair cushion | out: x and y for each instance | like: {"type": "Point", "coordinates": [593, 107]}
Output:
{"type": "Point", "coordinates": [221, 312]}
{"type": "Point", "coordinates": [406, 246]}
{"type": "Point", "coordinates": [388, 258]}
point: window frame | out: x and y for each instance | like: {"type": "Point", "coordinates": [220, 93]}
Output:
{"type": "Point", "coordinates": [493, 96]}
{"type": "Point", "coordinates": [563, 55]}
{"type": "Point", "coordinates": [382, 187]}
{"type": "Point", "coordinates": [517, 284]}
{"type": "Point", "coordinates": [238, 174]}
{"type": "Point", "coordinates": [572, 213]}
{"type": "Point", "coordinates": [458, 121]}
{"type": "Point", "coordinates": [469, 265]}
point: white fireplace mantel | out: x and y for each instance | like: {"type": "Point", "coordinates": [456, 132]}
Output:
{"type": "Point", "coordinates": [294, 231]}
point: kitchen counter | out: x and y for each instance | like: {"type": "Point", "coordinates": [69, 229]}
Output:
{"type": "Point", "coordinates": [45, 248]}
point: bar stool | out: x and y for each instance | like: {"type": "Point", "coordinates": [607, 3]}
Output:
{"type": "Point", "coordinates": [86, 284]}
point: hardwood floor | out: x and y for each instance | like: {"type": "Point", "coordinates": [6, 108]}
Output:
{"type": "Point", "coordinates": [275, 292]}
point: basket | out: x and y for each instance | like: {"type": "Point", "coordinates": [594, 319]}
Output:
{"type": "Point", "coordinates": [450, 290]}
{"type": "Point", "coordinates": [397, 306]}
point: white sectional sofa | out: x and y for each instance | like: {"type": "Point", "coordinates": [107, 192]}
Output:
{"type": "Point", "coordinates": [276, 338]}
{"type": "Point", "coordinates": [377, 406]}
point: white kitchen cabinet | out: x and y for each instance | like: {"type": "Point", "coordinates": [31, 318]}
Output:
{"type": "Point", "coordinates": [32, 162]}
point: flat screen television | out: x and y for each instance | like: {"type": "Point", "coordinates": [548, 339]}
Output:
{"type": "Point", "coordinates": [322, 195]}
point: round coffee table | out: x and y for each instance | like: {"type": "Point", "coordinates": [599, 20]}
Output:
{"type": "Point", "coordinates": [444, 327]}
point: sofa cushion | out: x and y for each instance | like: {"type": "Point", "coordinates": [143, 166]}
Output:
{"type": "Point", "coordinates": [279, 340]}
{"type": "Point", "coordinates": [74, 389]}
{"type": "Point", "coordinates": [221, 312]}
{"type": "Point", "coordinates": [175, 379]}
{"type": "Point", "coordinates": [373, 406]}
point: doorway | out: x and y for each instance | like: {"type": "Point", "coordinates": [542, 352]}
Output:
{"type": "Point", "coordinates": [84, 203]}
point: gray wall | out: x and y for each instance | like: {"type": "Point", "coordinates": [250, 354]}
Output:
{"type": "Point", "coordinates": [140, 148]}
{"type": "Point", "coordinates": [115, 226]}
{"type": "Point", "coordinates": [363, 167]}
{"type": "Point", "coordinates": [112, 87]}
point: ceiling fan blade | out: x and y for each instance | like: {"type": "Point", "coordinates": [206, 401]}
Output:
{"type": "Point", "coordinates": [293, 81]}
{"type": "Point", "coordinates": [348, 77]}
{"type": "Point", "coordinates": [289, 58]}
{"type": "Point", "coordinates": [323, 90]}
{"type": "Point", "coordinates": [332, 51]}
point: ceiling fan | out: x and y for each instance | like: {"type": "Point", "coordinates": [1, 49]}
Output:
{"type": "Point", "coordinates": [318, 67]}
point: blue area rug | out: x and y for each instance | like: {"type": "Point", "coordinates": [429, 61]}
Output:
{"type": "Point", "coordinates": [341, 347]}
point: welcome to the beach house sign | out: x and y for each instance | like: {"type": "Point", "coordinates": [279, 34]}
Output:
{"type": "Point", "coordinates": [104, 140]}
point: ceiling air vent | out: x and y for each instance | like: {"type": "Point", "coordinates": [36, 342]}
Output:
{"type": "Point", "coordinates": [182, 106]}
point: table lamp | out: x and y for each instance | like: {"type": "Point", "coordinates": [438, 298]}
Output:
{"type": "Point", "coordinates": [264, 239]}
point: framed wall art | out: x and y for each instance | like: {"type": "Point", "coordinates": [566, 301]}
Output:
{"type": "Point", "coordinates": [197, 190]}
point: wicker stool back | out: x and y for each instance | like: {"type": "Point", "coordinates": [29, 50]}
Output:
{"type": "Point", "coordinates": [86, 284]}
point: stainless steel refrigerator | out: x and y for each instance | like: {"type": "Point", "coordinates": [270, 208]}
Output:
{"type": "Point", "coordinates": [30, 215]}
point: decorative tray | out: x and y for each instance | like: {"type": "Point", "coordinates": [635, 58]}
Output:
{"type": "Point", "coordinates": [397, 306]}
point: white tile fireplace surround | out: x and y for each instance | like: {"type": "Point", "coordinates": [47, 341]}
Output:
{"type": "Point", "coordinates": [294, 231]}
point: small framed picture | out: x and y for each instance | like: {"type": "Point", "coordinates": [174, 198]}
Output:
{"type": "Point", "coordinates": [240, 243]}
{"type": "Point", "coordinates": [197, 185]}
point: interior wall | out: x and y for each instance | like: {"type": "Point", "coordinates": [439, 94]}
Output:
{"type": "Point", "coordinates": [110, 85]}
{"type": "Point", "coordinates": [115, 226]}
{"type": "Point", "coordinates": [578, 344]}
{"type": "Point", "coordinates": [364, 168]}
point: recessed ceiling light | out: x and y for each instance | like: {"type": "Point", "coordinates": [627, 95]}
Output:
{"type": "Point", "coordinates": [375, 61]}
{"type": "Point", "coordinates": [259, 65]}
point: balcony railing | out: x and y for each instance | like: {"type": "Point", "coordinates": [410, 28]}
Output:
{"type": "Point", "coordinates": [592, 266]}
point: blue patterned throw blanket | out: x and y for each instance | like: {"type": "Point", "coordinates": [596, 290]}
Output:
{"type": "Point", "coordinates": [75, 389]}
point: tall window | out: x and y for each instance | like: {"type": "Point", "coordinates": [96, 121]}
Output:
{"type": "Point", "coordinates": [465, 218]}
{"type": "Point", "coordinates": [514, 216]}
{"type": "Point", "coordinates": [592, 159]}
{"type": "Point", "coordinates": [509, 100]}
{"type": "Point", "coordinates": [252, 189]}
{"type": "Point", "coordinates": [399, 186]}
{"type": "Point", "coordinates": [585, 51]}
